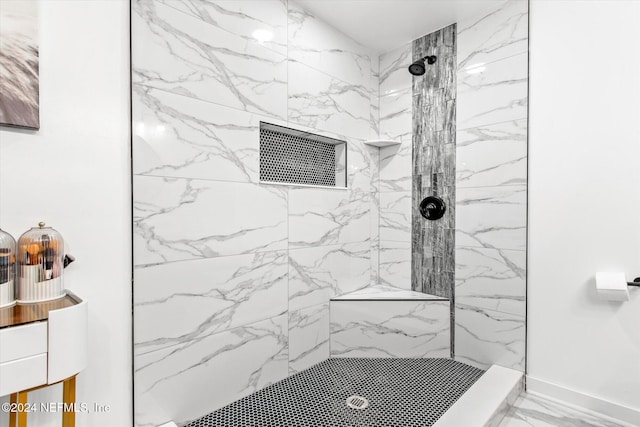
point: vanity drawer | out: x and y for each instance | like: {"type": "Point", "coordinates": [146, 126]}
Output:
{"type": "Point", "coordinates": [23, 374]}
{"type": "Point", "coordinates": [23, 341]}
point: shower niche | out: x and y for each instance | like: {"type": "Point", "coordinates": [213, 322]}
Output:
{"type": "Point", "coordinates": [290, 156]}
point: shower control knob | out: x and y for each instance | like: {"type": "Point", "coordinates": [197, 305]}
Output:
{"type": "Point", "coordinates": [432, 208]}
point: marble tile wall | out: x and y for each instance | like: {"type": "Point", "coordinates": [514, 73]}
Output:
{"type": "Point", "coordinates": [491, 190]}
{"type": "Point", "coordinates": [434, 163]}
{"type": "Point", "coordinates": [390, 328]}
{"type": "Point", "coordinates": [395, 102]}
{"type": "Point", "coordinates": [490, 181]}
{"type": "Point", "coordinates": [233, 278]}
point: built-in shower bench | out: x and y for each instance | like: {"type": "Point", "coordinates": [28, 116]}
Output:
{"type": "Point", "coordinates": [384, 321]}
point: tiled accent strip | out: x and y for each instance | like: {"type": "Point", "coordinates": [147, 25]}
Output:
{"type": "Point", "coordinates": [434, 138]}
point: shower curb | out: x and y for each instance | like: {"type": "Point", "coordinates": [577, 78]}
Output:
{"type": "Point", "coordinates": [487, 401]}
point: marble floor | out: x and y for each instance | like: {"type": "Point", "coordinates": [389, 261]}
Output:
{"type": "Point", "coordinates": [535, 411]}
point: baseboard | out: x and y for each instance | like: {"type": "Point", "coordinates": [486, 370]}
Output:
{"type": "Point", "coordinates": [584, 401]}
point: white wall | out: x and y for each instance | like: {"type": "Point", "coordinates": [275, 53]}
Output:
{"type": "Point", "coordinates": [74, 174]}
{"type": "Point", "coordinates": [584, 200]}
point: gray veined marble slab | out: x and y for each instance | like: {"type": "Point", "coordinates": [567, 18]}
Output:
{"type": "Point", "coordinates": [494, 279]}
{"type": "Point", "coordinates": [532, 410]}
{"type": "Point", "coordinates": [308, 337]}
{"type": "Point", "coordinates": [179, 53]}
{"type": "Point", "coordinates": [179, 136]}
{"type": "Point", "coordinates": [321, 101]}
{"type": "Point", "coordinates": [242, 18]}
{"type": "Point", "coordinates": [179, 302]}
{"type": "Point", "coordinates": [491, 155]}
{"type": "Point", "coordinates": [433, 163]}
{"type": "Point", "coordinates": [316, 44]}
{"type": "Point", "coordinates": [496, 34]}
{"type": "Point", "coordinates": [394, 73]}
{"type": "Point", "coordinates": [390, 328]}
{"type": "Point", "coordinates": [319, 273]}
{"type": "Point", "coordinates": [395, 216]}
{"type": "Point", "coordinates": [395, 264]}
{"type": "Point", "coordinates": [192, 379]}
{"type": "Point", "coordinates": [320, 217]}
{"type": "Point", "coordinates": [178, 219]}
{"type": "Point", "coordinates": [492, 217]}
{"type": "Point", "coordinates": [493, 93]}
{"type": "Point", "coordinates": [485, 337]}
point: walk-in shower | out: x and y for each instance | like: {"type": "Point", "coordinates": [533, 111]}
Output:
{"type": "Point", "coordinates": [396, 278]}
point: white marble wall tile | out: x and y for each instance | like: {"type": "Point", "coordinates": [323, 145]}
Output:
{"type": "Point", "coordinates": [182, 54]}
{"type": "Point", "coordinates": [394, 73]}
{"type": "Point", "coordinates": [375, 236]}
{"type": "Point", "coordinates": [374, 97]}
{"type": "Point", "coordinates": [179, 136]}
{"type": "Point", "coordinates": [177, 219]}
{"type": "Point", "coordinates": [308, 337]}
{"type": "Point", "coordinates": [374, 254]}
{"type": "Point", "coordinates": [493, 93]}
{"type": "Point", "coordinates": [395, 264]}
{"type": "Point", "coordinates": [493, 279]}
{"type": "Point", "coordinates": [327, 217]}
{"type": "Point", "coordinates": [485, 337]}
{"type": "Point", "coordinates": [362, 166]}
{"type": "Point", "coordinates": [316, 44]}
{"type": "Point", "coordinates": [321, 101]}
{"type": "Point", "coordinates": [242, 18]}
{"type": "Point", "coordinates": [490, 155]}
{"type": "Point", "coordinates": [492, 217]}
{"type": "Point", "coordinates": [178, 302]}
{"type": "Point", "coordinates": [190, 380]}
{"type": "Point", "coordinates": [496, 34]}
{"type": "Point", "coordinates": [395, 216]}
{"type": "Point", "coordinates": [396, 115]}
{"type": "Point", "coordinates": [317, 274]}
{"type": "Point", "coordinates": [396, 167]}
{"type": "Point", "coordinates": [390, 329]}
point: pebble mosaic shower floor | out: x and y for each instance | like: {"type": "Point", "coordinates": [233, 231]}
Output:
{"type": "Point", "coordinates": [401, 393]}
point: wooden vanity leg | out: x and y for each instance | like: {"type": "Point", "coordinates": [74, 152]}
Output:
{"type": "Point", "coordinates": [12, 415]}
{"type": "Point", "coordinates": [69, 399]}
{"type": "Point", "coordinates": [18, 419]}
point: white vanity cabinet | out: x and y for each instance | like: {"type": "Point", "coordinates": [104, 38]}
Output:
{"type": "Point", "coordinates": [42, 344]}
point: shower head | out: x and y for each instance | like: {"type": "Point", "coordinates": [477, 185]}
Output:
{"type": "Point", "coordinates": [418, 68]}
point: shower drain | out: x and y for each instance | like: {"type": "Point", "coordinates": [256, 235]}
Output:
{"type": "Point", "coordinates": [357, 402]}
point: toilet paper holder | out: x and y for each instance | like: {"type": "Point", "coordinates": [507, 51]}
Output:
{"type": "Point", "coordinates": [636, 282]}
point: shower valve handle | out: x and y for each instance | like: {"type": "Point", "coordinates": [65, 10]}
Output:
{"type": "Point", "coordinates": [432, 208]}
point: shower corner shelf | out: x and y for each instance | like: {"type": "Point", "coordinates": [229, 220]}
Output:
{"type": "Point", "coordinates": [381, 142]}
